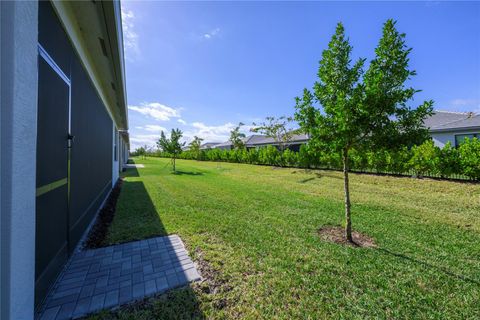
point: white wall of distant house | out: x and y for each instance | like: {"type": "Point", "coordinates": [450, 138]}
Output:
{"type": "Point", "coordinates": [441, 138]}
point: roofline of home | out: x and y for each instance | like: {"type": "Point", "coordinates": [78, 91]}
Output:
{"type": "Point", "coordinates": [111, 13]}
{"type": "Point", "coordinates": [276, 143]}
{"type": "Point", "coordinates": [453, 112]}
{"type": "Point", "coordinates": [474, 128]}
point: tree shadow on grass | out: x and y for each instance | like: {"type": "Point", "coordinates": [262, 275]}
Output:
{"type": "Point", "coordinates": [306, 180]}
{"type": "Point", "coordinates": [318, 175]}
{"type": "Point", "coordinates": [429, 265]}
{"type": "Point", "coordinates": [188, 173]}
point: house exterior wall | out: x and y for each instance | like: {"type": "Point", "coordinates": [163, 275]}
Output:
{"type": "Point", "coordinates": [91, 152]}
{"type": "Point", "coordinates": [441, 138]}
{"type": "Point", "coordinates": [18, 116]}
{"type": "Point", "coordinates": [115, 155]}
{"type": "Point", "coordinates": [91, 163]}
{"type": "Point", "coordinates": [90, 158]}
{"type": "Point", "coordinates": [123, 154]}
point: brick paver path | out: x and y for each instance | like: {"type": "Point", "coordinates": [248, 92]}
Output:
{"type": "Point", "coordinates": [108, 277]}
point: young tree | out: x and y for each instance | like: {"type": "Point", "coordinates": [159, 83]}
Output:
{"type": "Point", "coordinates": [195, 145]}
{"type": "Point", "coordinates": [173, 146]}
{"type": "Point", "coordinates": [236, 137]}
{"type": "Point", "coordinates": [276, 128]}
{"type": "Point", "coordinates": [344, 112]}
{"type": "Point", "coordinates": [141, 151]}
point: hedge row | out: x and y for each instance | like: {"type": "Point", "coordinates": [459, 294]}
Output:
{"type": "Point", "coordinates": [424, 160]}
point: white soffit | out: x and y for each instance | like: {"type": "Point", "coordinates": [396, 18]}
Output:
{"type": "Point", "coordinates": [93, 30]}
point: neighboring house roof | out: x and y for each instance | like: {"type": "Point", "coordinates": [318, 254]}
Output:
{"type": "Point", "coordinates": [257, 140]}
{"type": "Point", "coordinates": [452, 121]}
{"type": "Point", "coordinates": [224, 144]}
{"type": "Point", "coordinates": [209, 145]}
{"type": "Point", "coordinates": [261, 140]}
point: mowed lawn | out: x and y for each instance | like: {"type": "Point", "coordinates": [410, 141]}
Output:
{"type": "Point", "coordinates": [257, 228]}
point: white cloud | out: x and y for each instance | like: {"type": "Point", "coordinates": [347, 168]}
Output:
{"type": "Point", "coordinates": [156, 111]}
{"type": "Point", "coordinates": [211, 34]}
{"type": "Point", "coordinates": [139, 140]}
{"type": "Point", "coordinates": [218, 133]}
{"type": "Point", "coordinates": [208, 133]}
{"type": "Point", "coordinates": [466, 105]}
{"type": "Point", "coordinates": [152, 128]}
{"type": "Point", "coordinates": [130, 37]}
{"type": "Point", "coordinates": [465, 102]}
{"type": "Point", "coordinates": [182, 121]}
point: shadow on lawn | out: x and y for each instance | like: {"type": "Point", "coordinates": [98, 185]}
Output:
{"type": "Point", "coordinates": [130, 170]}
{"type": "Point", "coordinates": [429, 265]}
{"type": "Point", "coordinates": [138, 219]}
{"type": "Point", "coordinates": [318, 175]}
{"type": "Point", "coordinates": [180, 303]}
{"type": "Point", "coordinates": [138, 211]}
{"type": "Point", "coordinates": [188, 173]}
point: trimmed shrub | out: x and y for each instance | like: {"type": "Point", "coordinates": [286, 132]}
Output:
{"type": "Point", "coordinates": [469, 158]}
{"type": "Point", "coordinates": [423, 160]}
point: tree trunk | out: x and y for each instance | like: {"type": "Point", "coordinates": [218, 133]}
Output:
{"type": "Point", "coordinates": [348, 218]}
{"type": "Point", "coordinates": [174, 170]}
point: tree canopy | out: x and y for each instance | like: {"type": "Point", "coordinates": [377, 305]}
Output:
{"type": "Point", "coordinates": [171, 145]}
{"type": "Point", "coordinates": [276, 128]}
{"type": "Point", "coordinates": [195, 145]}
{"type": "Point", "coordinates": [236, 137]}
{"type": "Point", "coordinates": [350, 108]}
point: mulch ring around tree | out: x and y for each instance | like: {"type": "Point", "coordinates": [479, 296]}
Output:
{"type": "Point", "coordinates": [336, 234]}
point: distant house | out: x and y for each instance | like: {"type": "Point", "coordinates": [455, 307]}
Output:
{"type": "Point", "coordinates": [443, 126]}
{"type": "Point", "coordinates": [453, 127]}
{"type": "Point", "coordinates": [227, 145]}
{"type": "Point", "coordinates": [209, 145]}
{"type": "Point", "coordinates": [258, 141]}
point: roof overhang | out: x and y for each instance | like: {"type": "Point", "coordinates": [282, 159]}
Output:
{"type": "Point", "coordinates": [125, 136]}
{"type": "Point", "coordinates": [95, 30]}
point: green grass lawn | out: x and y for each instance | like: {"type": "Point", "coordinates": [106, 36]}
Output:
{"type": "Point", "coordinates": [257, 228]}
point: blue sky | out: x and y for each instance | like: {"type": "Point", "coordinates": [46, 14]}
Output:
{"type": "Point", "coordinates": [205, 66]}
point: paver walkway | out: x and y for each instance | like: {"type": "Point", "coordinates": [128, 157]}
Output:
{"type": "Point", "coordinates": [134, 165]}
{"type": "Point", "coordinates": [108, 277]}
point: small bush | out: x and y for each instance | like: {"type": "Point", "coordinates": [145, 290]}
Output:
{"type": "Point", "coordinates": [425, 158]}
{"type": "Point", "coordinates": [469, 158]}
